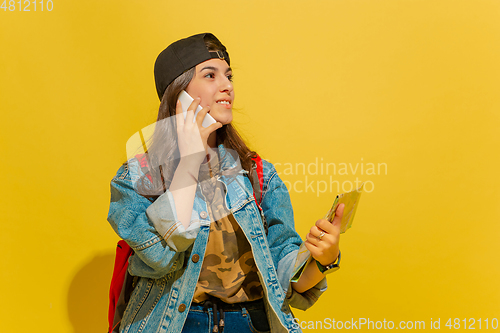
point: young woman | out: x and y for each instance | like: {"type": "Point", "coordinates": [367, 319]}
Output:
{"type": "Point", "coordinates": [207, 257]}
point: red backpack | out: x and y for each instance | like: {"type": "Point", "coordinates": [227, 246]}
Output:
{"type": "Point", "coordinates": [122, 283]}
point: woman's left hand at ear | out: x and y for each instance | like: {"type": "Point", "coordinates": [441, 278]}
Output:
{"type": "Point", "coordinates": [323, 238]}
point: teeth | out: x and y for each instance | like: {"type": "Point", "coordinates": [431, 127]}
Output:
{"type": "Point", "coordinates": [223, 102]}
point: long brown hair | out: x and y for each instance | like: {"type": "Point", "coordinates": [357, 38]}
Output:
{"type": "Point", "coordinates": [163, 154]}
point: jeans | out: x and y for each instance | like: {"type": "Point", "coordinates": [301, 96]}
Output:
{"type": "Point", "coordinates": [247, 317]}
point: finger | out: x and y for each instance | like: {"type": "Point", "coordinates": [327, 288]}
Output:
{"type": "Point", "coordinates": [213, 127]}
{"type": "Point", "coordinates": [178, 114]}
{"type": "Point", "coordinates": [315, 251]}
{"type": "Point", "coordinates": [194, 104]}
{"type": "Point", "coordinates": [325, 225]}
{"type": "Point", "coordinates": [316, 231]}
{"type": "Point", "coordinates": [312, 239]}
{"type": "Point", "coordinates": [312, 248]}
{"type": "Point", "coordinates": [339, 213]}
{"type": "Point", "coordinates": [340, 210]}
{"type": "Point", "coordinates": [201, 116]}
{"type": "Point", "coordinates": [189, 117]}
{"type": "Point", "coordinates": [191, 110]}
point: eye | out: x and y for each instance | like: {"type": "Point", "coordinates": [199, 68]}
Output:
{"type": "Point", "coordinates": [210, 75]}
{"type": "Point", "coordinates": [230, 77]}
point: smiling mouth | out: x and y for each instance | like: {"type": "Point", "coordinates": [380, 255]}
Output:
{"type": "Point", "coordinates": [224, 102]}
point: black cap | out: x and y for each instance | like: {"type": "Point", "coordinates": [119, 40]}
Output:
{"type": "Point", "coordinates": [180, 56]}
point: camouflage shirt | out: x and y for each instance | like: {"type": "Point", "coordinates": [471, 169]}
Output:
{"type": "Point", "coordinates": [229, 271]}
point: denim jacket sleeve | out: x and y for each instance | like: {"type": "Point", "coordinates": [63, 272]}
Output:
{"type": "Point", "coordinates": [151, 229]}
{"type": "Point", "coordinates": [284, 242]}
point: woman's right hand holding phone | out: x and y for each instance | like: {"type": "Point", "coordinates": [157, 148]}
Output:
{"type": "Point", "coordinates": [192, 137]}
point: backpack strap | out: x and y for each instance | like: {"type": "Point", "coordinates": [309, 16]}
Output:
{"type": "Point", "coordinates": [258, 186]}
{"type": "Point", "coordinates": [143, 161]}
{"type": "Point", "coordinates": [258, 178]}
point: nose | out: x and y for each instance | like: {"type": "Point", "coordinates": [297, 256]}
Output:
{"type": "Point", "coordinates": [226, 86]}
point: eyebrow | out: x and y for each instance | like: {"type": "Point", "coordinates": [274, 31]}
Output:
{"type": "Point", "coordinates": [229, 69]}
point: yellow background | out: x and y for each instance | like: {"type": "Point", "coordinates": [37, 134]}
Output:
{"type": "Point", "coordinates": [412, 84]}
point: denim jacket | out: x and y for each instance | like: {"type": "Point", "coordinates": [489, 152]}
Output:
{"type": "Point", "coordinates": [168, 257]}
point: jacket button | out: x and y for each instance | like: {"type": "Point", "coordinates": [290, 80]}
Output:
{"type": "Point", "coordinates": [182, 307]}
{"type": "Point", "coordinates": [195, 258]}
{"type": "Point", "coordinates": [203, 215]}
